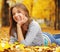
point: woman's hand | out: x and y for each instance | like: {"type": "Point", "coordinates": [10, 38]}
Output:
{"type": "Point", "coordinates": [23, 19]}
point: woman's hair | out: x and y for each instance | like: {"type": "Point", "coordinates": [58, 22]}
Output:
{"type": "Point", "coordinates": [13, 27]}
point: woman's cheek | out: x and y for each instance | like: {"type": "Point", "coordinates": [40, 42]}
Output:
{"type": "Point", "coordinates": [16, 18]}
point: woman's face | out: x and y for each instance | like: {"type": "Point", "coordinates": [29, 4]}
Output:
{"type": "Point", "coordinates": [18, 14]}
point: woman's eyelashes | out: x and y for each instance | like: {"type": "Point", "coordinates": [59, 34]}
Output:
{"type": "Point", "coordinates": [26, 15]}
{"type": "Point", "coordinates": [16, 12]}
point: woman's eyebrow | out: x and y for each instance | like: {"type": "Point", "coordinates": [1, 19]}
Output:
{"type": "Point", "coordinates": [19, 11]}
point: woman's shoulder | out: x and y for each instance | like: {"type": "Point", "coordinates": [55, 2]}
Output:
{"type": "Point", "coordinates": [34, 23]}
{"type": "Point", "coordinates": [34, 26]}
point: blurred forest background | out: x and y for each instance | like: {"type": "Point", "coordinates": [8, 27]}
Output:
{"type": "Point", "coordinates": [45, 12]}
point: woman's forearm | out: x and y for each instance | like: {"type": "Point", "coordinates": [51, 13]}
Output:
{"type": "Point", "coordinates": [20, 34]}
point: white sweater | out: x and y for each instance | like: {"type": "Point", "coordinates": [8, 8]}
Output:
{"type": "Point", "coordinates": [34, 35]}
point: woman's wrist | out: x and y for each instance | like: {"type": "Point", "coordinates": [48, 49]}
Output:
{"type": "Point", "coordinates": [18, 25]}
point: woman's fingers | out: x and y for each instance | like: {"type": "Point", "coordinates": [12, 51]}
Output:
{"type": "Point", "coordinates": [23, 18]}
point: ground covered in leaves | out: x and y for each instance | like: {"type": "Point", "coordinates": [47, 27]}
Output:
{"type": "Point", "coordinates": [5, 46]}
{"type": "Point", "coordinates": [16, 47]}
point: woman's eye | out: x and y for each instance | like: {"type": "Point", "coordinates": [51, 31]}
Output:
{"type": "Point", "coordinates": [19, 12]}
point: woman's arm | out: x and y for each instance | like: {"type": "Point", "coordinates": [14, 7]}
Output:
{"type": "Point", "coordinates": [20, 34]}
{"type": "Point", "coordinates": [31, 34]}
{"type": "Point", "coordinates": [12, 39]}
{"type": "Point", "coordinates": [17, 37]}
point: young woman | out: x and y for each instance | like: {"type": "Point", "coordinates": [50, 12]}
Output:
{"type": "Point", "coordinates": [22, 28]}
{"type": "Point", "coordinates": [26, 30]}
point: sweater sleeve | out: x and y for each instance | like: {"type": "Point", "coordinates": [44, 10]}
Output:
{"type": "Point", "coordinates": [31, 34]}
{"type": "Point", "coordinates": [13, 39]}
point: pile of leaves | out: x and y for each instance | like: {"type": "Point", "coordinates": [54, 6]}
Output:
{"type": "Point", "coordinates": [5, 46]}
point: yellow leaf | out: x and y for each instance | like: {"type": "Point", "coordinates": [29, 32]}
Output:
{"type": "Point", "coordinates": [57, 49]}
{"type": "Point", "coordinates": [22, 46]}
{"type": "Point", "coordinates": [1, 48]}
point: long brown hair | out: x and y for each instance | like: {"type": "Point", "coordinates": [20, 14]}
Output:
{"type": "Point", "coordinates": [12, 22]}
